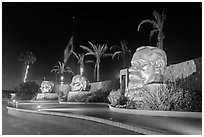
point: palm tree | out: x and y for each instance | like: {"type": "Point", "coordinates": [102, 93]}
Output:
{"type": "Point", "coordinates": [123, 50]}
{"type": "Point", "coordinates": [27, 58]}
{"type": "Point", "coordinates": [80, 58]}
{"type": "Point", "coordinates": [98, 51]}
{"type": "Point", "coordinates": [157, 27]}
{"type": "Point", "coordinates": [61, 69]}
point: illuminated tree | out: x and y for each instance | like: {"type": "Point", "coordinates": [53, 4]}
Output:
{"type": "Point", "coordinates": [157, 27]}
{"type": "Point", "coordinates": [123, 50]}
{"type": "Point", "coordinates": [27, 58]}
{"type": "Point", "coordinates": [61, 69]}
{"type": "Point", "coordinates": [80, 58]}
{"type": "Point", "coordinates": [98, 51]}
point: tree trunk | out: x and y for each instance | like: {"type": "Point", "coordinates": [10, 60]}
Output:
{"type": "Point", "coordinates": [98, 72]}
{"type": "Point", "coordinates": [95, 72]}
{"type": "Point", "coordinates": [26, 72]}
{"type": "Point", "coordinates": [160, 40]}
{"type": "Point", "coordinates": [81, 69]}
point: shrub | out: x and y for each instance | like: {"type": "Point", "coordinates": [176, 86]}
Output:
{"type": "Point", "coordinates": [6, 95]}
{"type": "Point", "coordinates": [134, 104]}
{"type": "Point", "coordinates": [184, 98]}
{"type": "Point", "coordinates": [98, 96]}
{"type": "Point", "coordinates": [116, 97]}
{"type": "Point", "coordinates": [77, 96]}
{"type": "Point", "coordinates": [176, 96]}
{"type": "Point", "coordinates": [26, 90]}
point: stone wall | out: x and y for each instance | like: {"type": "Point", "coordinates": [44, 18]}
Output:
{"type": "Point", "coordinates": [105, 86]}
{"type": "Point", "coordinates": [62, 88]}
{"type": "Point", "coordinates": [190, 70]}
{"type": "Point", "coordinates": [47, 96]}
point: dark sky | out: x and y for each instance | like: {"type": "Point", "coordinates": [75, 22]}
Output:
{"type": "Point", "coordinates": [45, 29]}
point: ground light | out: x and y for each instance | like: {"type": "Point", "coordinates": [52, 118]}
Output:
{"type": "Point", "coordinates": [38, 107]}
{"type": "Point", "coordinates": [16, 104]}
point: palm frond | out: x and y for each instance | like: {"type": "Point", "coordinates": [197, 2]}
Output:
{"type": "Point", "coordinates": [89, 61]}
{"type": "Point", "coordinates": [124, 46]}
{"type": "Point", "coordinates": [88, 53]}
{"type": "Point", "coordinates": [107, 55]}
{"type": "Point", "coordinates": [60, 65]}
{"type": "Point", "coordinates": [155, 24]}
{"type": "Point", "coordinates": [157, 16]}
{"type": "Point", "coordinates": [87, 49]}
{"type": "Point", "coordinates": [152, 33]}
{"type": "Point", "coordinates": [75, 55]}
{"type": "Point", "coordinates": [55, 67]}
{"type": "Point", "coordinates": [53, 70]}
{"type": "Point", "coordinates": [68, 70]}
{"type": "Point", "coordinates": [92, 45]}
{"type": "Point", "coordinates": [104, 48]}
{"type": "Point", "coordinates": [27, 57]}
{"type": "Point", "coordinates": [117, 53]}
{"type": "Point", "coordinates": [163, 18]}
{"type": "Point", "coordinates": [81, 58]}
{"type": "Point", "coordinates": [144, 21]}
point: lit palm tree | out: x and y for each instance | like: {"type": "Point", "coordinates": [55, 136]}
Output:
{"type": "Point", "coordinates": [158, 27]}
{"type": "Point", "coordinates": [98, 51]}
{"type": "Point", "coordinates": [27, 58]}
{"type": "Point", "coordinates": [61, 69]}
{"type": "Point", "coordinates": [80, 58]}
{"type": "Point", "coordinates": [123, 50]}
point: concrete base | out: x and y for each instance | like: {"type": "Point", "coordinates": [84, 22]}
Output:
{"type": "Point", "coordinates": [77, 96]}
{"type": "Point", "coordinates": [47, 96]}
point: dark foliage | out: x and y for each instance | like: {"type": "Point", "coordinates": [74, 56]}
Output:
{"type": "Point", "coordinates": [176, 96]}
{"type": "Point", "coordinates": [98, 96]}
{"type": "Point", "coordinates": [187, 99]}
{"type": "Point", "coordinates": [26, 90]}
{"type": "Point", "coordinates": [6, 95]}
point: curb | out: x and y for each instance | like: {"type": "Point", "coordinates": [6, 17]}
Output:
{"type": "Point", "coordinates": [157, 113]}
{"type": "Point", "coordinates": [84, 103]}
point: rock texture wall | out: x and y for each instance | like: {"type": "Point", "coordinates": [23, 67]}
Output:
{"type": "Point", "coordinates": [104, 85]}
{"type": "Point", "coordinates": [190, 70]}
{"type": "Point", "coordinates": [62, 88]}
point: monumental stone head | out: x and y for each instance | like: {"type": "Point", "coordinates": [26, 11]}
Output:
{"type": "Point", "coordinates": [147, 66]}
{"type": "Point", "coordinates": [79, 83]}
{"type": "Point", "coordinates": [46, 86]}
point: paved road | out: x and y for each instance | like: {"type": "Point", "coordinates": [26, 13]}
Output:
{"type": "Point", "coordinates": [12, 125]}
{"type": "Point", "coordinates": [166, 124]}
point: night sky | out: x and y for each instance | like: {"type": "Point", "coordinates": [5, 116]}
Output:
{"type": "Point", "coordinates": [45, 30]}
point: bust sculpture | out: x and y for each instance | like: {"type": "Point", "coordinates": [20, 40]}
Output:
{"type": "Point", "coordinates": [46, 86]}
{"type": "Point", "coordinates": [79, 83]}
{"type": "Point", "coordinates": [147, 66]}
{"type": "Point", "coordinates": [146, 72]}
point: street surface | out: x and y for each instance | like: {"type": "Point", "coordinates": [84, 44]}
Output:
{"type": "Point", "coordinates": [164, 124]}
{"type": "Point", "coordinates": [12, 125]}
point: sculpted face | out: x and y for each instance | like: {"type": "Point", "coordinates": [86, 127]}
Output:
{"type": "Point", "coordinates": [147, 66]}
{"type": "Point", "coordinates": [46, 86]}
{"type": "Point", "coordinates": [79, 83]}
